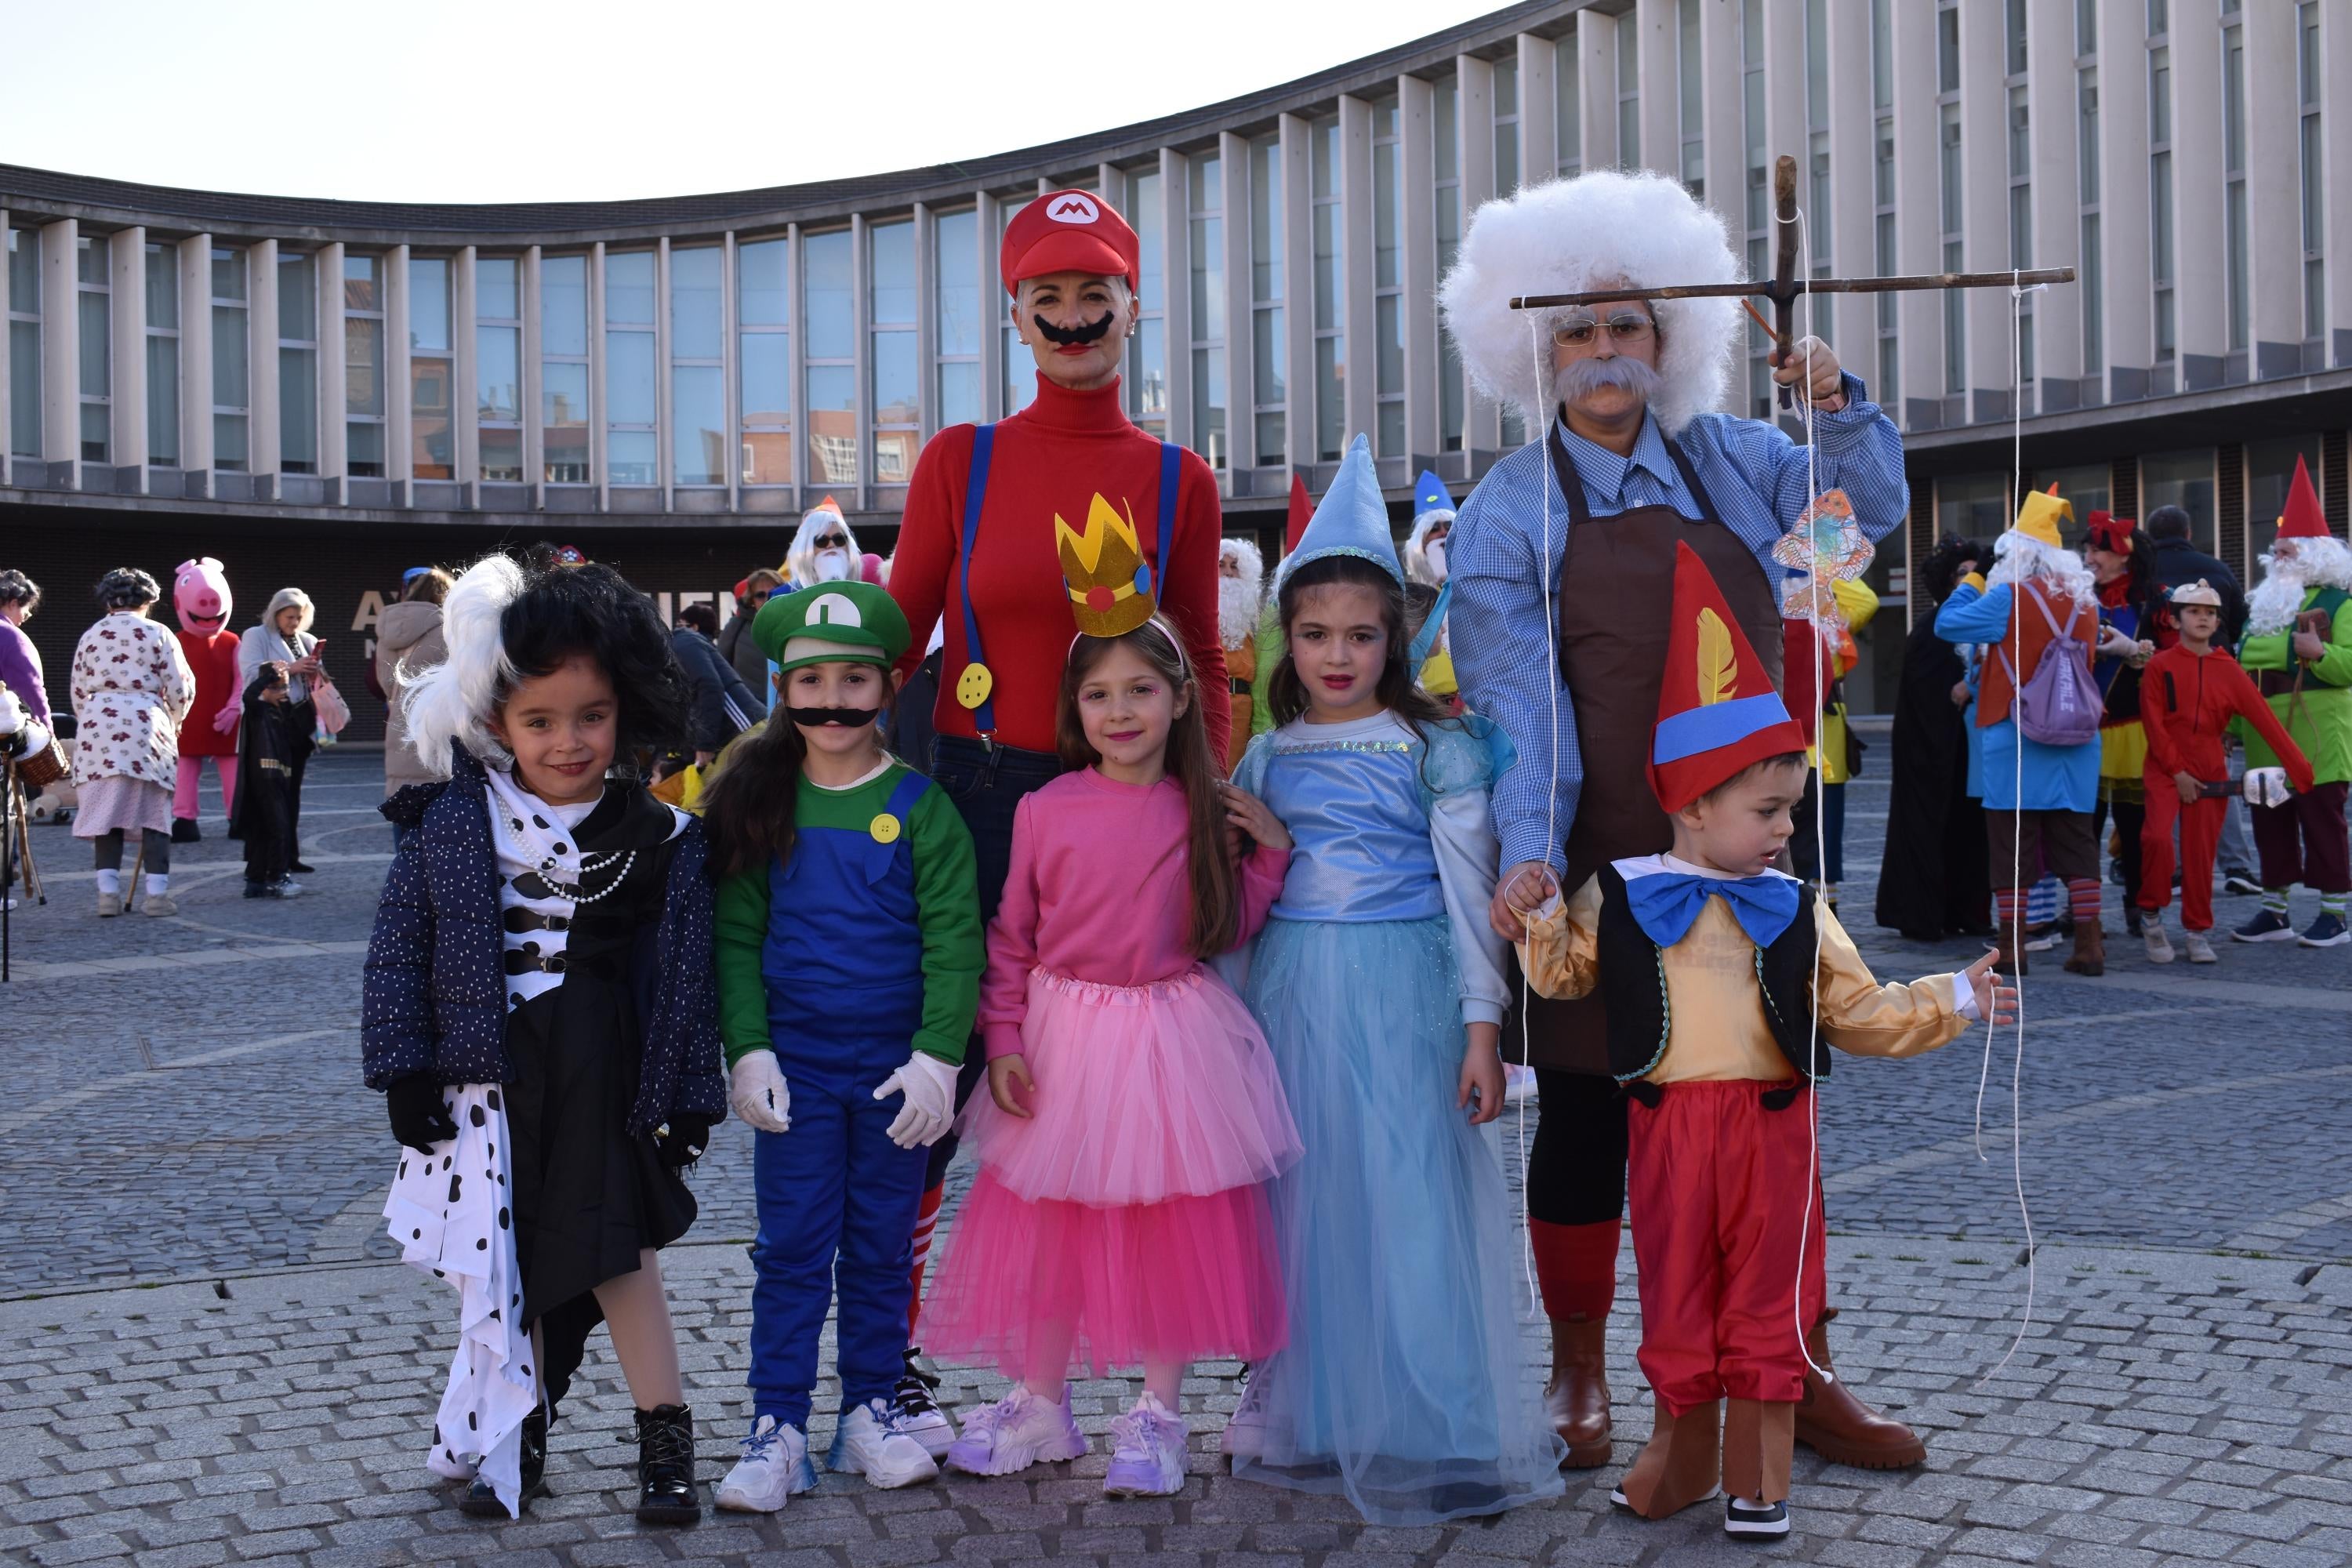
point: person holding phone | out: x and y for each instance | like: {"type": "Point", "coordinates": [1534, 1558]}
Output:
{"type": "Point", "coordinates": [284, 635]}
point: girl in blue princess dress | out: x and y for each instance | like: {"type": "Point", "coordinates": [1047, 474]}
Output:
{"type": "Point", "coordinates": [1381, 989]}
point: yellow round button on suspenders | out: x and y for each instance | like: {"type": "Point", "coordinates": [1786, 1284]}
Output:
{"type": "Point", "coordinates": [974, 684]}
{"type": "Point", "coordinates": [885, 828]}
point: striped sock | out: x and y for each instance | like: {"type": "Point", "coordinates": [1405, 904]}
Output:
{"type": "Point", "coordinates": [2332, 904]}
{"type": "Point", "coordinates": [2274, 899]}
{"type": "Point", "coordinates": [2083, 897]}
{"type": "Point", "coordinates": [927, 1220]}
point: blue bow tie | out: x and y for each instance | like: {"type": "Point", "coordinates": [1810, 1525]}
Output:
{"type": "Point", "coordinates": [1665, 903]}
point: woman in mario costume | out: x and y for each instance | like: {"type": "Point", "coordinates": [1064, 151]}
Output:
{"type": "Point", "coordinates": [976, 545]}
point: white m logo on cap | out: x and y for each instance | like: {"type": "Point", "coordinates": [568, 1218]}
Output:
{"type": "Point", "coordinates": [1072, 207]}
{"type": "Point", "coordinates": [835, 610]}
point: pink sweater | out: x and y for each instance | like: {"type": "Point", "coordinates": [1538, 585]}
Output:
{"type": "Point", "coordinates": [1099, 891]}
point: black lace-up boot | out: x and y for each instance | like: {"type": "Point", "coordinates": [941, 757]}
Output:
{"type": "Point", "coordinates": [668, 1493]}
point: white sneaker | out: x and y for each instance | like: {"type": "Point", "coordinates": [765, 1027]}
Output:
{"type": "Point", "coordinates": [919, 1416]}
{"type": "Point", "coordinates": [775, 1466]}
{"type": "Point", "coordinates": [1019, 1430]}
{"type": "Point", "coordinates": [1147, 1456]}
{"type": "Point", "coordinates": [1746, 1521]}
{"type": "Point", "coordinates": [1244, 1435]}
{"type": "Point", "coordinates": [871, 1444]}
{"type": "Point", "coordinates": [159, 905]}
{"type": "Point", "coordinates": [2201, 951]}
{"type": "Point", "coordinates": [108, 905]}
{"type": "Point", "coordinates": [2159, 950]}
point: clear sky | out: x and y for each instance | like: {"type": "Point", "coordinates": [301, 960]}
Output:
{"type": "Point", "coordinates": [486, 100]}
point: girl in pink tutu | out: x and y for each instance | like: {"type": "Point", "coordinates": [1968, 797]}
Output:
{"type": "Point", "coordinates": [1119, 1216]}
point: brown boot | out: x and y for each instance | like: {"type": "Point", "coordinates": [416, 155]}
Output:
{"type": "Point", "coordinates": [2090, 948]}
{"type": "Point", "coordinates": [2009, 947]}
{"type": "Point", "coordinates": [1577, 1397]}
{"type": "Point", "coordinates": [1681, 1463]}
{"type": "Point", "coordinates": [1836, 1425]}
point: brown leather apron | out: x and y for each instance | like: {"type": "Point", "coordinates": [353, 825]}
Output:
{"type": "Point", "coordinates": [1616, 605]}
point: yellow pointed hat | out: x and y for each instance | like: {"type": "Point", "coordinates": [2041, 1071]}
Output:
{"type": "Point", "coordinates": [2037, 517]}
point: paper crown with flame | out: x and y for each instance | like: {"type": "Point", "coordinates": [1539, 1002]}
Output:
{"type": "Point", "coordinates": [1111, 584]}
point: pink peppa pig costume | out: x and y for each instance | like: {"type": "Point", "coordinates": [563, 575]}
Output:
{"type": "Point", "coordinates": [200, 594]}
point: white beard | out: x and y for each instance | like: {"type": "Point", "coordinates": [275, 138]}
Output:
{"type": "Point", "coordinates": [2278, 598]}
{"type": "Point", "coordinates": [832, 566]}
{"type": "Point", "coordinates": [1239, 602]}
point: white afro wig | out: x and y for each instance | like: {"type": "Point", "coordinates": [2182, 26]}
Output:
{"type": "Point", "coordinates": [1566, 237]}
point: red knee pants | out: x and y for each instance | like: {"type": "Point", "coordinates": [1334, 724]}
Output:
{"type": "Point", "coordinates": [1718, 1185]}
{"type": "Point", "coordinates": [2200, 838]}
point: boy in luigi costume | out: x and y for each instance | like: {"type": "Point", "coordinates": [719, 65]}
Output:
{"type": "Point", "coordinates": [849, 954]}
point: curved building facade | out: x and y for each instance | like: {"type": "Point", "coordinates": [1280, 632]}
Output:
{"type": "Point", "coordinates": [325, 392]}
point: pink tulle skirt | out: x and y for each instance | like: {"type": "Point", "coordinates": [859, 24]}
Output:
{"type": "Point", "coordinates": [1143, 1093]}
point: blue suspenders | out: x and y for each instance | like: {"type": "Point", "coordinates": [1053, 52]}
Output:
{"type": "Point", "coordinates": [978, 693]}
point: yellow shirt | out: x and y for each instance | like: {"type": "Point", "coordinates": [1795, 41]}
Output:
{"type": "Point", "coordinates": [1718, 1030]}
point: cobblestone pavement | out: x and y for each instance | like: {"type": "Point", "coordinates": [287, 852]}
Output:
{"type": "Point", "coordinates": [209, 1360]}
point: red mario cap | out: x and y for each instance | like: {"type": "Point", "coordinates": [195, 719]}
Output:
{"type": "Point", "coordinates": [1067, 231]}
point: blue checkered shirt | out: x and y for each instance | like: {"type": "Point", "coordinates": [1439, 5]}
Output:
{"type": "Point", "coordinates": [1752, 472]}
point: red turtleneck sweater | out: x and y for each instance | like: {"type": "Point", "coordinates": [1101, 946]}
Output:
{"type": "Point", "coordinates": [1051, 458]}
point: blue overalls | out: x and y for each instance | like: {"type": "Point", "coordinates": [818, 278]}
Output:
{"type": "Point", "coordinates": [844, 965]}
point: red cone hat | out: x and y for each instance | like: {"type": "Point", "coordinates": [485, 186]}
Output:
{"type": "Point", "coordinates": [1717, 712]}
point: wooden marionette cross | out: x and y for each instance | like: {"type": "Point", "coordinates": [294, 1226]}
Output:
{"type": "Point", "coordinates": [1784, 287]}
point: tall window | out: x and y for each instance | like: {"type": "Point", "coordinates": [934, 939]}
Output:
{"type": "Point", "coordinates": [1882, 192]}
{"type": "Point", "coordinates": [231, 383]}
{"type": "Point", "coordinates": [25, 342]}
{"type": "Point", "coordinates": [829, 331]}
{"type": "Point", "coordinates": [1947, 146]}
{"type": "Point", "coordinates": [497, 366]}
{"type": "Point", "coordinates": [1206, 190]}
{"type": "Point", "coordinates": [563, 370]}
{"type": "Point", "coordinates": [162, 276]}
{"type": "Point", "coordinates": [1269, 358]}
{"type": "Point", "coordinates": [1506, 125]}
{"type": "Point", "coordinates": [1758, 195]}
{"type": "Point", "coordinates": [1020, 387]}
{"type": "Point", "coordinates": [431, 371]}
{"type": "Point", "coordinates": [1446, 160]}
{"type": "Point", "coordinates": [2021, 185]}
{"type": "Point", "coordinates": [298, 362]}
{"type": "Point", "coordinates": [1388, 276]}
{"type": "Point", "coordinates": [1567, 106]}
{"type": "Point", "coordinates": [763, 355]}
{"type": "Point", "coordinates": [362, 360]}
{"type": "Point", "coordinates": [1629, 96]}
{"type": "Point", "coordinates": [955, 261]}
{"type": "Point", "coordinates": [2315, 203]}
{"type": "Point", "coordinates": [631, 394]}
{"type": "Point", "coordinates": [1330, 292]}
{"type": "Point", "coordinates": [1147, 350]}
{"type": "Point", "coordinates": [2184, 479]}
{"type": "Point", "coordinates": [2233, 179]}
{"type": "Point", "coordinates": [697, 368]}
{"type": "Point", "coordinates": [2160, 175]}
{"type": "Point", "coordinates": [897, 380]}
{"type": "Point", "coordinates": [1690, 85]}
{"type": "Point", "coordinates": [92, 298]}
{"type": "Point", "coordinates": [2086, 184]}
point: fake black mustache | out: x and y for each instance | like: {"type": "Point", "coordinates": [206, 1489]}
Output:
{"type": "Point", "coordinates": [1074, 337]}
{"type": "Point", "coordinates": [847, 718]}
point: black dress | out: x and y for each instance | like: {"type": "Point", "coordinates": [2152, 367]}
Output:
{"type": "Point", "coordinates": [1935, 878]}
{"type": "Point", "coordinates": [588, 1196]}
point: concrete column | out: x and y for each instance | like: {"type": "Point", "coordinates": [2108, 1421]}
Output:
{"type": "Point", "coordinates": [1357, 309]}
{"type": "Point", "coordinates": [2050, 94]}
{"type": "Point", "coordinates": [7, 428]}
{"type": "Point", "coordinates": [534, 392]}
{"type": "Point", "coordinates": [127, 302]}
{"type": "Point", "coordinates": [334, 400]}
{"type": "Point", "coordinates": [2125, 261]}
{"type": "Point", "coordinates": [1474, 99]}
{"type": "Point", "coordinates": [1539, 121]}
{"type": "Point", "coordinates": [798, 353]}
{"type": "Point", "coordinates": [264, 432]}
{"type": "Point", "coordinates": [399, 407]}
{"type": "Point", "coordinates": [193, 257]}
{"type": "Point", "coordinates": [1725, 141]}
{"type": "Point", "coordinates": [1662, 102]}
{"type": "Point", "coordinates": [1919, 318]}
{"type": "Point", "coordinates": [1241, 343]}
{"type": "Point", "coordinates": [600, 467]}
{"type": "Point", "coordinates": [1176, 223]}
{"type": "Point", "coordinates": [1596, 66]}
{"type": "Point", "coordinates": [1299, 276]}
{"type": "Point", "coordinates": [995, 310]}
{"type": "Point", "coordinates": [1984, 208]}
{"type": "Point", "coordinates": [464, 369]}
{"type": "Point", "coordinates": [61, 346]}
{"type": "Point", "coordinates": [2336, 139]}
{"type": "Point", "coordinates": [2199, 246]}
{"type": "Point", "coordinates": [2274, 190]}
{"type": "Point", "coordinates": [1784, 94]}
{"type": "Point", "coordinates": [1849, 323]}
{"type": "Point", "coordinates": [1417, 229]}
{"type": "Point", "coordinates": [663, 418]}
{"type": "Point", "coordinates": [927, 326]}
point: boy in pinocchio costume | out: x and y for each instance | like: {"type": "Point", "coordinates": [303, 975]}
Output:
{"type": "Point", "coordinates": [1713, 970]}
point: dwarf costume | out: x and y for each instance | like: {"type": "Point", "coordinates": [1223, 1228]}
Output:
{"type": "Point", "coordinates": [1726, 1195]}
{"type": "Point", "coordinates": [1241, 600]}
{"type": "Point", "coordinates": [1562, 566]}
{"type": "Point", "coordinates": [1431, 661]}
{"type": "Point", "coordinates": [201, 595]}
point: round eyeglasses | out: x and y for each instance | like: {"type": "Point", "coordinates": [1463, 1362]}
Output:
{"type": "Point", "coordinates": [1625, 327]}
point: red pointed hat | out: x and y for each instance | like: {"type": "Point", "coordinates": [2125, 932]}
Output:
{"type": "Point", "coordinates": [2302, 519]}
{"type": "Point", "coordinates": [1717, 712]}
{"type": "Point", "coordinates": [1067, 231]}
{"type": "Point", "coordinates": [1301, 510]}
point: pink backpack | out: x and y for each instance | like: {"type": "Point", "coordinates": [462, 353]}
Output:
{"type": "Point", "coordinates": [2061, 706]}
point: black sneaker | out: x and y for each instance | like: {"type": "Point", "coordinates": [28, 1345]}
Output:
{"type": "Point", "coordinates": [2241, 886]}
{"type": "Point", "coordinates": [2268, 925]}
{"type": "Point", "coordinates": [2328, 930]}
{"type": "Point", "coordinates": [919, 1416]}
{"type": "Point", "coordinates": [1741, 1522]}
{"type": "Point", "coordinates": [483, 1503]}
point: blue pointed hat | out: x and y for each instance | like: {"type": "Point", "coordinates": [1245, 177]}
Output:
{"type": "Point", "coordinates": [1352, 519]}
{"type": "Point", "coordinates": [1430, 494]}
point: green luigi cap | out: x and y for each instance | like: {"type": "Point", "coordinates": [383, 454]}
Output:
{"type": "Point", "coordinates": [855, 622]}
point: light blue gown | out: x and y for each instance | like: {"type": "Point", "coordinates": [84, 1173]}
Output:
{"type": "Point", "coordinates": [1404, 1386]}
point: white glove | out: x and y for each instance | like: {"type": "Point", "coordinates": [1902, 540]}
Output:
{"type": "Point", "coordinates": [930, 1087]}
{"type": "Point", "coordinates": [756, 1089]}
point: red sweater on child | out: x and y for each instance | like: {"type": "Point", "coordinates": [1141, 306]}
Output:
{"type": "Point", "coordinates": [1050, 459]}
{"type": "Point", "coordinates": [2185, 701]}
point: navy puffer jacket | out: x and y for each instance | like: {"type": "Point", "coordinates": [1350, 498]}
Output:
{"type": "Point", "coordinates": [434, 1000]}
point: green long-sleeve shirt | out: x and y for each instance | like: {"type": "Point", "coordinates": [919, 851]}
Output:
{"type": "Point", "coordinates": [2320, 717]}
{"type": "Point", "coordinates": [947, 899]}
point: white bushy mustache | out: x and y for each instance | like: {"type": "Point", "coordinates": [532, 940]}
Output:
{"type": "Point", "coordinates": [1590, 376]}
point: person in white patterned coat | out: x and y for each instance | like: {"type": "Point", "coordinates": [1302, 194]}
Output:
{"type": "Point", "coordinates": [130, 687]}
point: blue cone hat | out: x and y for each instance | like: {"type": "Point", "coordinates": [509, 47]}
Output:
{"type": "Point", "coordinates": [1430, 494]}
{"type": "Point", "coordinates": [1351, 519]}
